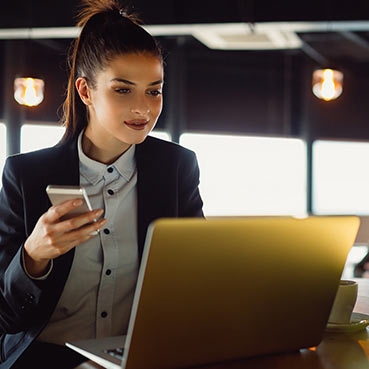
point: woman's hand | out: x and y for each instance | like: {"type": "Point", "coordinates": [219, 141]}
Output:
{"type": "Point", "coordinates": [53, 237]}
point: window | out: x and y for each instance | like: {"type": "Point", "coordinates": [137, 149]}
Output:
{"type": "Point", "coordinates": [243, 175]}
{"type": "Point", "coordinates": [38, 136]}
{"type": "Point", "coordinates": [340, 177]}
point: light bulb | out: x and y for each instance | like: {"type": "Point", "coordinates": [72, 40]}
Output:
{"type": "Point", "coordinates": [327, 84]}
{"type": "Point", "coordinates": [29, 91]}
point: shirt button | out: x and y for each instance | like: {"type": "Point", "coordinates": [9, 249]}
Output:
{"type": "Point", "coordinates": [110, 192]}
{"type": "Point", "coordinates": [110, 170]}
{"type": "Point", "coordinates": [108, 272]}
{"type": "Point", "coordinates": [106, 231]}
{"type": "Point", "coordinates": [104, 314]}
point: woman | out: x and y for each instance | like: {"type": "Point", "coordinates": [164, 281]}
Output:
{"type": "Point", "coordinates": [59, 282]}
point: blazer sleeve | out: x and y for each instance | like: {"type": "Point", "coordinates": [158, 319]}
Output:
{"type": "Point", "coordinates": [19, 295]}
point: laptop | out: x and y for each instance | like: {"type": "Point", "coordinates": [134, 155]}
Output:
{"type": "Point", "coordinates": [212, 290]}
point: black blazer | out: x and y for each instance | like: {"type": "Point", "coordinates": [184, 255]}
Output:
{"type": "Point", "coordinates": [167, 186]}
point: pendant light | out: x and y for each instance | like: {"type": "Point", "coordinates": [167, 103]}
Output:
{"type": "Point", "coordinates": [29, 91]}
{"type": "Point", "coordinates": [327, 84]}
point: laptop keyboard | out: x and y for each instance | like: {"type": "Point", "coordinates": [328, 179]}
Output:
{"type": "Point", "coordinates": [116, 352]}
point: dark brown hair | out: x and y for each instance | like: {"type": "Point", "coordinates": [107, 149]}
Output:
{"type": "Point", "coordinates": [107, 30]}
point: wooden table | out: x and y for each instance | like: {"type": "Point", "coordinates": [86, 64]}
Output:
{"type": "Point", "coordinates": [336, 351]}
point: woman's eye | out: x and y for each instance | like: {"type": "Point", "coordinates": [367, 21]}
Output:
{"type": "Point", "coordinates": [155, 92]}
{"type": "Point", "coordinates": [122, 90]}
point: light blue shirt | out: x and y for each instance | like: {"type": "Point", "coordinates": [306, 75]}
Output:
{"type": "Point", "coordinates": [97, 298]}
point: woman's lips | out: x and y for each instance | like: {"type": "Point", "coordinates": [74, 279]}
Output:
{"type": "Point", "coordinates": [137, 125]}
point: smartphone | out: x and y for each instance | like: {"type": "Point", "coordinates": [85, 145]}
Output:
{"type": "Point", "coordinates": [59, 194]}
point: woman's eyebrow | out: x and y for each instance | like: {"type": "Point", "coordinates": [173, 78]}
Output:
{"type": "Point", "coordinates": [122, 80]}
{"type": "Point", "coordinates": [159, 82]}
{"type": "Point", "coordinates": [126, 81]}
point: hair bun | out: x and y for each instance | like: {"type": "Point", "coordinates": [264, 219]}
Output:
{"type": "Point", "coordinates": [90, 8]}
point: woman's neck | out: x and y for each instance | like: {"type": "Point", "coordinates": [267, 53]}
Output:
{"type": "Point", "coordinates": [106, 153]}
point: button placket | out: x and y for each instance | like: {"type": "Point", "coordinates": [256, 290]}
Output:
{"type": "Point", "coordinates": [105, 299]}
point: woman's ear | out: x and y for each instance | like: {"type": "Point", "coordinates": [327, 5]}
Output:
{"type": "Point", "coordinates": [83, 90]}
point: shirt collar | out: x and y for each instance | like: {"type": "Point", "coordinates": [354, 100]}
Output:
{"type": "Point", "coordinates": [94, 171]}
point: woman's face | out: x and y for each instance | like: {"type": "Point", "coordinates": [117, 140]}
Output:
{"type": "Point", "coordinates": [125, 102]}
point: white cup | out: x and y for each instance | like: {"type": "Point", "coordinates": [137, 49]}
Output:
{"type": "Point", "coordinates": [344, 302]}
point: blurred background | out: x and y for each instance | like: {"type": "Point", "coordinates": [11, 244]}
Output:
{"type": "Point", "coordinates": [238, 91]}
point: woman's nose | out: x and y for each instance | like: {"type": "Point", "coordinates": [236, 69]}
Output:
{"type": "Point", "coordinates": [141, 111]}
{"type": "Point", "coordinates": [140, 108]}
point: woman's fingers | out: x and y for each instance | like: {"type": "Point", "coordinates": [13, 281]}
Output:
{"type": "Point", "coordinates": [58, 211]}
{"type": "Point", "coordinates": [53, 237]}
{"type": "Point", "coordinates": [84, 233]}
{"type": "Point", "coordinates": [67, 234]}
{"type": "Point", "coordinates": [71, 224]}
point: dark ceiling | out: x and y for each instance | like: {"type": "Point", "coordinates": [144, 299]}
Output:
{"type": "Point", "coordinates": [337, 46]}
{"type": "Point", "coordinates": [345, 47]}
{"type": "Point", "coordinates": [46, 13]}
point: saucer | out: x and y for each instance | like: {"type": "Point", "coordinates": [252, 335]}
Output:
{"type": "Point", "coordinates": [358, 322]}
